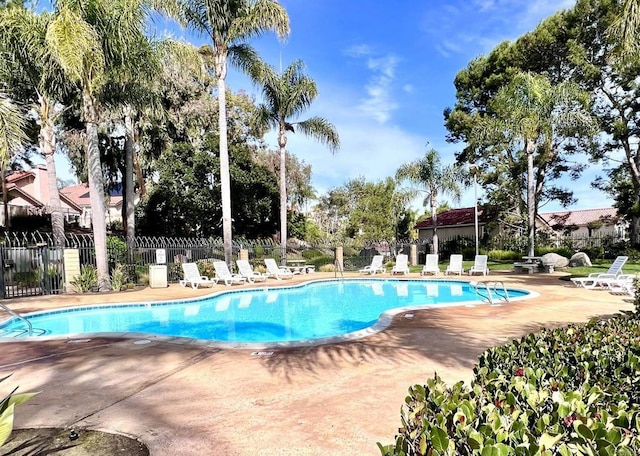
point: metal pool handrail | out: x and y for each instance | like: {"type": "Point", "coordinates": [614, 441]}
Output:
{"type": "Point", "coordinates": [19, 317]}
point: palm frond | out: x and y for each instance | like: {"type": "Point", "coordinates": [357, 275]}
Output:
{"type": "Point", "coordinates": [258, 17]}
{"type": "Point", "coordinates": [322, 130]}
{"type": "Point", "coordinates": [76, 45]}
{"type": "Point", "coordinates": [12, 125]}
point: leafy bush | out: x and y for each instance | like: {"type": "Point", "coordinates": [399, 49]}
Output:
{"type": "Point", "coordinates": [87, 280]}
{"type": "Point", "coordinates": [594, 253]}
{"type": "Point", "coordinates": [570, 391]}
{"type": "Point", "coordinates": [562, 251]}
{"type": "Point", "coordinates": [118, 278]}
{"type": "Point", "coordinates": [327, 268]}
{"type": "Point", "coordinates": [206, 268]}
{"type": "Point", "coordinates": [504, 255]}
{"type": "Point", "coordinates": [7, 406]}
{"type": "Point", "coordinates": [311, 253]}
{"type": "Point", "coordinates": [116, 251]}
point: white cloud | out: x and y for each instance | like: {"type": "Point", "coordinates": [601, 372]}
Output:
{"type": "Point", "coordinates": [379, 103]}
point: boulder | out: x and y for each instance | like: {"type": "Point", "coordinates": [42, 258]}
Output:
{"type": "Point", "coordinates": [555, 260]}
{"type": "Point", "coordinates": [579, 259]}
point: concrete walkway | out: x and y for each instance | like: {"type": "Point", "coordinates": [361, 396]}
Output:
{"type": "Point", "coordinates": [338, 399]}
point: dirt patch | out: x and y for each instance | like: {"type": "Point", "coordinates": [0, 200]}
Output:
{"type": "Point", "coordinates": [64, 442]}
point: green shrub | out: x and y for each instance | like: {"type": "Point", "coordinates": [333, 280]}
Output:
{"type": "Point", "coordinates": [570, 391]}
{"type": "Point", "coordinates": [116, 251]}
{"type": "Point", "coordinates": [118, 278]}
{"type": "Point", "coordinates": [562, 251]}
{"type": "Point", "coordinates": [594, 253]}
{"type": "Point", "coordinates": [206, 268]}
{"type": "Point", "coordinates": [311, 253]}
{"type": "Point", "coordinates": [7, 406]}
{"type": "Point", "coordinates": [327, 268]}
{"type": "Point", "coordinates": [87, 280]}
{"type": "Point", "coordinates": [504, 255]}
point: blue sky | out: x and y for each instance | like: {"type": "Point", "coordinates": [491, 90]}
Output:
{"type": "Point", "coordinates": [385, 75]}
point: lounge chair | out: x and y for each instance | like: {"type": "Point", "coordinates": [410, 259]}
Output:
{"type": "Point", "coordinates": [479, 265]}
{"type": "Point", "coordinates": [275, 271]}
{"type": "Point", "coordinates": [596, 279]}
{"type": "Point", "coordinates": [402, 265]}
{"type": "Point", "coordinates": [624, 283]}
{"type": "Point", "coordinates": [224, 275]}
{"type": "Point", "coordinates": [246, 271]}
{"type": "Point", "coordinates": [431, 265]}
{"type": "Point", "coordinates": [193, 278]}
{"type": "Point", "coordinates": [375, 266]}
{"type": "Point", "coordinates": [455, 265]}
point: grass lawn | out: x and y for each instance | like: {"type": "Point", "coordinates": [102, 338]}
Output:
{"type": "Point", "coordinates": [629, 268]}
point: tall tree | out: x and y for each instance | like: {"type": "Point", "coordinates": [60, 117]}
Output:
{"type": "Point", "coordinates": [37, 79]}
{"type": "Point", "coordinates": [92, 39]}
{"type": "Point", "coordinates": [12, 138]}
{"type": "Point", "coordinates": [229, 25]}
{"type": "Point", "coordinates": [537, 117]}
{"type": "Point", "coordinates": [429, 175]}
{"type": "Point", "coordinates": [286, 96]}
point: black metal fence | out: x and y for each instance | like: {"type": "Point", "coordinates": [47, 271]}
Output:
{"type": "Point", "coordinates": [31, 264]}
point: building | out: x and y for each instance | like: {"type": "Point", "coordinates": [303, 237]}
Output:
{"type": "Point", "coordinates": [28, 194]}
{"type": "Point", "coordinates": [584, 223]}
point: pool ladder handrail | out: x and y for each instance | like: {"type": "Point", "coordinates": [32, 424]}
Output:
{"type": "Point", "coordinates": [337, 267]}
{"type": "Point", "coordinates": [19, 317]}
{"type": "Point", "coordinates": [492, 285]}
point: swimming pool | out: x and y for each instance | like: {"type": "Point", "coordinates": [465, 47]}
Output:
{"type": "Point", "coordinates": [303, 314]}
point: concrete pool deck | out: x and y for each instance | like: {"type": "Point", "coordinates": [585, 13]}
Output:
{"type": "Point", "coordinates": [339, 399]}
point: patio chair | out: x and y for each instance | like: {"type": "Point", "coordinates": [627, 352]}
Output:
{"type": "Point", "coordinates": [246, 271]}
{"type": "Point", "coordinates": [431, 265]}
{"type": "Point", "coordinates": [275, 271]}
{"type": "Point", "coordinates": [599, 279]}
{"type": "Point", "coordinates": [480, 265]}
{"type": "Point", "coordinates": [224, 275]}
{"type": "Point", "coordinates": [402, 265]}
{"type": "Point", "coordinates": [193, 278]}
{"type": "Point", "coordinates": [455, 265]}
{"type": "Point", "coordinates": [375, 266]}
{"type": "Point", "coordinates": [624, 283]}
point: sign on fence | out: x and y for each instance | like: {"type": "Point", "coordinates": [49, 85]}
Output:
{"type": "Point", "coordinates": [161, 256]}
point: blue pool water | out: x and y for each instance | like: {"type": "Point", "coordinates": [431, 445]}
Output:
{"type": "Point", "coordinates": [314, 310]}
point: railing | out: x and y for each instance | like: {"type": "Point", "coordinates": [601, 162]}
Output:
{"type": "Point", "coordinates": [19, 317]}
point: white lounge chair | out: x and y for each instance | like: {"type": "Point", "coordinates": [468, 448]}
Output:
{"type": "Point", "coordinates": [193, 278]}
{"type": "Point", "coordinates": [375, 266]}
{"type": "Point", "coordinates": [455, 265]}
{"type": "Point", "coordinates": [599, 279]}
{"type": "Point", "coordinates": [431, 266]}
{"type": "Point", "coordinates": [275, 271]}
{"type": "Point", "coordinates": [480, 265]}
{"type": "Point", "coordinates": [246, 271]}
{"type": "Point", "coordinates": [402, 265]}
{"type": "Point", "coordinates": [224, 275]}
{"type": "Point", "coordinates": [624, 283]}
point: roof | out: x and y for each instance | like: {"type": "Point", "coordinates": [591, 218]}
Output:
{"type": "Point", "coordinates": [80, 195]}
{"type": "Point", "coordinates": [453, 217]}
{"type": "Point", "coordinates": [19, 175]}
{"type": "Point", "coordinates": [581, 217]}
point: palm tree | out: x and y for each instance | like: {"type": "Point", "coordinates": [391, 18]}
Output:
{"type": "Point", "coordinates": [228, 25]}
{"type": "Point", "coordinates": [38, 80]}
{"type": "Point", "coordinates": [12, 137]}
{"type": "Point", "coordinates": [532, 112]}
{"type": "Point", "coordinates": [429, 175]}
{"type": "Point", "coordinates": [92, 39]}
{"type": "Point", "coordinates": [286, 96]}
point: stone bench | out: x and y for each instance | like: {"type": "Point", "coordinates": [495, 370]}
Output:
{"type": "Point", "coordinates": [518, 267]}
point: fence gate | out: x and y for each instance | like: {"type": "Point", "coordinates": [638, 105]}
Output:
{"type": "Point", "coordinates": [30, 270]}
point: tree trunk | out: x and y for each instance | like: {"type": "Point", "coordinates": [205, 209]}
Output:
{"type": "Point", "coordinates": [531, 197]}
{"type": "Point", "coordinates": [434, 223]}
{"type": "Point", "coordinates": [225, 178]}
{"type": "Point", "coordinates": [5, 198]}
{"type": "Point", "coordinates": [282, 142]}
{"type": "Point", "coordinates": [96, 191]}
{"type": "Point", "coordinates": [129, 195]}
{"type": "Point", "coordinates": [48, 146]}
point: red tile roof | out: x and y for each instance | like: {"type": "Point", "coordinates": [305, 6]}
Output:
{"type": "Point", "coordinates": [581, 217]}
{"type": "Point", "coordinates": [453, 217]}
{"type": "Point", "coordinates": [80, 195]}
{"type": "Point", "coordinates": [19, 175]}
